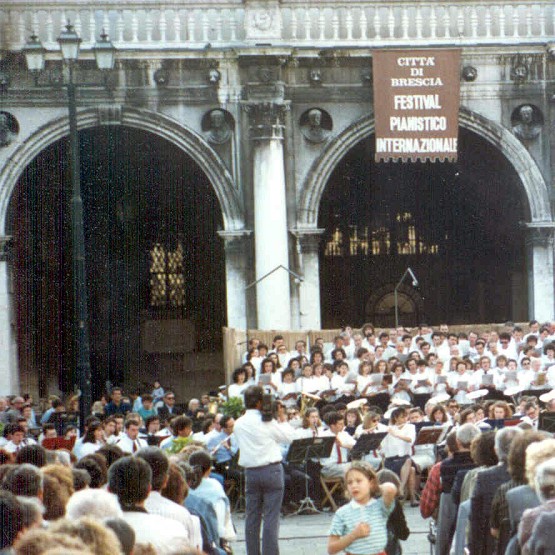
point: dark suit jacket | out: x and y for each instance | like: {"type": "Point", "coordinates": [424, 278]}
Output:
{"type": "Point", "coordinates": [487, 482]}
{"type": "Point", "coordinates": [164, 412]}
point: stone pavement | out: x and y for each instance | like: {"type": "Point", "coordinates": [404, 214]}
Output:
{"type": "Point", "coordinates": [307, 534]}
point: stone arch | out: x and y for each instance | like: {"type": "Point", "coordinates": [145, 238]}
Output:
{"type": "Point", "coordinates": [534, 185]}
{"type": "Point", "coordinates": [161, 125]}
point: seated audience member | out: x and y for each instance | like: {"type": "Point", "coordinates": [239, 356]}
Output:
{"type": "Point", "coordinates": [96, 466]}
{"type": "Point", "coordinates": [24, 479]}
{"type": "Point", "coordinates": [95, 503]}
{"type": "Point", "coordinates": [487, 482]}
{"type": "Point", "coordinates": [202, 508]}
{"type": "Point", "coordinates": [482, 452]}
{"type": "Point", "coordinates": [43, 542]}
{"type": "Point", "coordinates": [129, 478]}
{"type": "Point", "coordinates": [182, 427]}
{"type": "Point", "coordinates": [116, 404]}
{"type": "Point", "coordinates": [100, 539]}
{"type": "Point", "coordinates": [211, 490]}
{"type": "Point", "coordinates": [11, 519]}
{"type": "Point", "coordinates": [157, 504]}
{"type": "Point", "coordinates": [123, 532]}
{"type": "Point", "coordinates": [499, 520]}
{"type": "Point", "coordinates": [32, 454]}
{"type": "Point", "coordinates": [542, 540]}
{"type": "Point", "coordinates": [525, 497]}
{"type": "Point", "coordinates": [545, 488]}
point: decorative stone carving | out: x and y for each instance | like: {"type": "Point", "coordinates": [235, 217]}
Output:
{"type": "Point", "coordinates": [519, 72]}
{"type": "Point", "coordinates": [9, 128]}
{"type": "Point", "coordinates": [469, 73]}
{"type": "Point", "coordinates": [218, 125]}
{"type": "Point", "coordinates": [262, 20]}
{"type": "Point", "coordinates": [315, 76]}
{"type": "Point", "coordinates": [266, 120]}
{"type": "Point", "coordinates": [527, 121]}
{"type": "Point", "coordinates": [316, 125]}
{"type": "Point", "coordinates": [161, 77]}
{"type": "Point", "coordinates": [214, 76]}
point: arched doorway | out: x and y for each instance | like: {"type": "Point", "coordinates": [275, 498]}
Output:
{"type": "Point", "coordinates": [155, 265]}
{"type": "Point", "coordinates": [456, 225]}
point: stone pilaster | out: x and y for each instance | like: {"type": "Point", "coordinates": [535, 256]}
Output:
{"type": "Point", "coordinates": [539, 244]}
{"type": "Point", "coordinates": [308, 263]}
{"type": "Point", "coordinates": [9, 376]}
{"type": "Point", "coordinates": [237, 250]}
{"type": "Point", "coordinates": [273, 296]}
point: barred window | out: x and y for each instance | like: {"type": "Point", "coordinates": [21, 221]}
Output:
{"type": "Point", "coordinates": [167, 281]}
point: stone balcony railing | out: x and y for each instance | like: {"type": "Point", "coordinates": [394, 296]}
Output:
{"type": "Point", "coordinates": [151, 25]}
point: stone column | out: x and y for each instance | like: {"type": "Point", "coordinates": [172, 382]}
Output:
{"type": "Point", "coordinates": [539, 243]}
{"type": "Point", "coordinates": [236, 245]}
{"type": "Point", "coordinates": [9, 376]}
{"type": "Point", "coordinates": [273, 297]}
{"type": "Point", "coordinates": [308, 251]}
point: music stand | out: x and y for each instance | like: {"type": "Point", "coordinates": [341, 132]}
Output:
{"type": "Point", "coordinates": [428, 435]}
{"type": "Point", "coordinates": [300, 451]}
{"type": "Point", "coordinates": [546, 422]}
{"type": "Point", "coordinates": [366, 443]}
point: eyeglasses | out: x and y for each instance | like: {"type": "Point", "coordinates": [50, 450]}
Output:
{"type": "Point", "coordinates": [525, 364]}
{"type": "Point", "coordinates": [170, 398]}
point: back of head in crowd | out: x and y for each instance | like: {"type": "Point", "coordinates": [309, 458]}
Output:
{"type": "Point", "coordinates": [159, 464]}
{"type": "Point", "coordinates": [24, 479]}
{"type": "Point", "coordinates": [129, 478]}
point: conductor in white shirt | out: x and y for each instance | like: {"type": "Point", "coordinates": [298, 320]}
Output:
{"type": "Point", "coordinates": [260, 455]}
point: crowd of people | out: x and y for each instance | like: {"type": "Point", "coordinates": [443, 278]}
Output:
{"type": "Point", "coordinates": [459, 425]}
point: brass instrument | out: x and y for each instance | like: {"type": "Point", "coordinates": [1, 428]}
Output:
{"type": "Point", "coordinates": [307, 402]}
{"type": "Point", "coordinates": [214, 405]}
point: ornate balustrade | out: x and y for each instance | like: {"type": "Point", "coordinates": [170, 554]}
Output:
{"type": "Point", "coordinates": [151, 25]}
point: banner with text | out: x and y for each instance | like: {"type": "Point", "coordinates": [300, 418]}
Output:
{"type": "Point", "coordinates": [416, 104]}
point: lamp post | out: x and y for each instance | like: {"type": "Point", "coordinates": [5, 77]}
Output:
{"type": "Point", "coordinates": [408, 271]}
{"type": "Point", "coordinates": [70, 44]}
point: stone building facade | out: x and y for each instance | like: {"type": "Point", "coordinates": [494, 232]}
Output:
{"type": "Point", "coordinates": [252, 122]}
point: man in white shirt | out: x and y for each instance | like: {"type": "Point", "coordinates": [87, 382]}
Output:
{"type": "Point", "coordinates": [129, 478]}
{"type": "Point", "coordinates": [260, 454]}
{"type": "Point", "coordinates": [155, 504]}
{"type": "Point", "coordinates": [335, 465]}
{"type": "Point", "coordinates": [130, 442]}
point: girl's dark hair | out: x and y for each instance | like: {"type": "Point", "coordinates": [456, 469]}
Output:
{"type": "Point", "coordinates": [368, 470]}
{"type": "Point", "coordinates": [202, 459]}
{"type": "Point", "coordinates": [400, 411]}
{"type": "Point", "coordinates": [89, 435]}
{"type": "Point", "coordinates": [193, 474]}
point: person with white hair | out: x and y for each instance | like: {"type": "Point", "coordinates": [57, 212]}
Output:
{"type": "Point", "coordinates": [94, 503]}
{"type": "Point", "coordinates": [545, 488]}
{"type": "Point", "coordinates": [487, 482]}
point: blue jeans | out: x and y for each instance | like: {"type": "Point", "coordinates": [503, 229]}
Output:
{"type": "Point", "coordinates": [264, 494]}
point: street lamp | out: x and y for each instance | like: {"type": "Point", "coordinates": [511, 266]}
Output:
{"type": "Point", "coordinates": [70, 44]}
{"type": "Point", "coordinates": [408, 271]}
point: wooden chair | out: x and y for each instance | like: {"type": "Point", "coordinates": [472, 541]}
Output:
{"type": "Point", "coordinates": [330, 485]}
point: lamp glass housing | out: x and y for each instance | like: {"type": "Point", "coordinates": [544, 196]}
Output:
{"type": "Point", "coordinates": [104, 52]}
{"type": "Point", "coordinates": [70, 43]}
{"type": "Point", "coordinates": [34, 54]}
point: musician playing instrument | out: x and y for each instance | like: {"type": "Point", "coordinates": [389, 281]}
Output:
{"type": "Point", "coordinates": [335, 465]}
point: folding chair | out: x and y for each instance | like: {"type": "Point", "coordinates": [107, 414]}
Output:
{"type": "Point", "coordinates": [330, 485]}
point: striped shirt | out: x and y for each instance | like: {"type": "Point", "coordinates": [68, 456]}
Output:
{"type": "Point", "coordinates": [374, 513]}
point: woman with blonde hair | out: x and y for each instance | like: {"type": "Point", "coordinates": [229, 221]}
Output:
{"type": "Point", "coordinates": [500, 410]}
{"type": "Point", "coordinates": [100, 539]}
